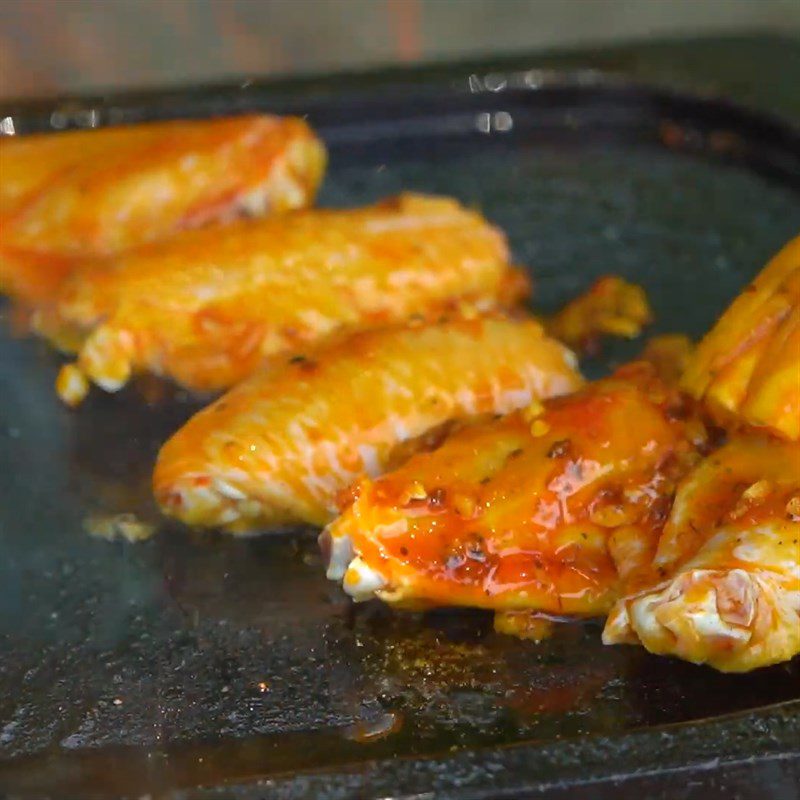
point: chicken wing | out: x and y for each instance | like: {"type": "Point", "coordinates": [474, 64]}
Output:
{"type": "Point", "coordinates": [724, 587]}
{"type": "Point", "coordinates": [207, 307]}
{"type": "Point", "coordinates": [68, 197]}
{"type": "Point", "coordinates": [531, 512]}
{"type": "Point", "coordinates": [747, 369]}
{"type": "Point", "coordinates": [279, 447]}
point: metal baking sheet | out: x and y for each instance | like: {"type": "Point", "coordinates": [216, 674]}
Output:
{"type": "Point", "coordinates": [199, 665]}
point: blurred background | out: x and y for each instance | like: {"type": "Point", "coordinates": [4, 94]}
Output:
{"type": "Point", "coordinates": [55, 46]}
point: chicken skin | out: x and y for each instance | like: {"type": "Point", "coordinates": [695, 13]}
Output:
{"type": "Point", "coordinates": [616, 499]}
{"type": "Point", "coordinates": [724, 587]}
{"type": "Point", "coordinates": [69, 197]}
{"type": "Point", "coordinates": [531, 512]}
{"type": "Point", "coordinates": [281, 446]}
{"type": "Point", "coordinates": [747, 369]}
{"type": "Point", "coordinates": [209, 307]}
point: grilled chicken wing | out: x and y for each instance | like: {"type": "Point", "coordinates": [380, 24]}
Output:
{"type": "Point", "coordinates": [208, 307]}
{"type": "Point", "coordinates": [279, 447]}
{"type": "Point", "coordinates": [747, 369]}
{"type": "Point", "coordinates": [724, 587]}
{"type": "Point", "coordinates": [68, 197]}
{"type": "Point", "coordinates": [530, 512]}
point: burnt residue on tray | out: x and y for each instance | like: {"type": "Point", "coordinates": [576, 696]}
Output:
{"type": "Point", "coordinates": [194, 660]}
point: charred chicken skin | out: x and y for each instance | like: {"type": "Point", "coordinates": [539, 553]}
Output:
{"type": "Point", "coordinates": [282, 445]}
{"type": "Point", "coordinates": [209, 307]}
{"type": "Point", "coordinates": [69, 197]}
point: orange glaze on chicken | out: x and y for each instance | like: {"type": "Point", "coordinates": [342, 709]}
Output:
{"type": "Point", "coordinates": [724, 588]}
{"type": "Point", "coordinates": [279, 447]}
{"type": "Point", "coordinates": [530, 512]}
{"type": "Point", "coordinates": [724, 585]}
{"type": "Point", "coordinates": [69, 197]}
{"type": "Point", "coordinates": [747, 369]}
{"type": "Point", "coordinates": [209, 307]}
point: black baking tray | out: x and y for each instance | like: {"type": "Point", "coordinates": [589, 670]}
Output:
{"type": "Point", "coordinates": [197, 665]}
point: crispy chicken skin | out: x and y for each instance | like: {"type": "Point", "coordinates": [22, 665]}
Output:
{"type": "Point", "coordinates": [208, 307]}
{"type": "Point", "coordinates": [532, 512]}
{"type": "Point", "coordinates": [724, 587]}
{"type": "Point", "coordinates": [279, 447]}
{"type": "Point", "coordinates": [747, 369]}
{"type": "Point", "coordinates": [69, 197]}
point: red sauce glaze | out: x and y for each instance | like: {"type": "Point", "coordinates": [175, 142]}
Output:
{"type": "Point", "coordinates": [519, 512]}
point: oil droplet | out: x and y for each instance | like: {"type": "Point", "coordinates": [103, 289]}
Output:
{"type": "Point", "coordinates": [373, 730]}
